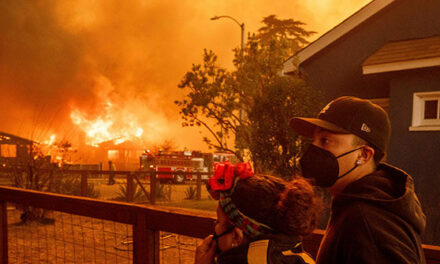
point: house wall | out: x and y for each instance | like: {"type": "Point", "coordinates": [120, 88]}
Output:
{"type": "Point", "coordinates": [21, 157]}
{"type": "Point", "coordinates": [337, 70]}
{"type": "Point", "coordinates": [404, 142]}
{"type": "Point", "coordinates": [417, 152]}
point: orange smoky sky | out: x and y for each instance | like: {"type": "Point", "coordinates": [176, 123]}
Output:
{"type": "Point", "coordinates": [66, 64]}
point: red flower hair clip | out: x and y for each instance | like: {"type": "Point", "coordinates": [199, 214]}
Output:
{"type": "Point", "coordinates": [224, 176]}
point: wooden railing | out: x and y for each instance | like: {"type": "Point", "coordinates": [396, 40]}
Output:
{"type": "Point", "coordinates": [146, 221]}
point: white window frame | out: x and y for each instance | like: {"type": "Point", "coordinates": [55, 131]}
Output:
{"type": "Point", "coordinates": [418, 121]}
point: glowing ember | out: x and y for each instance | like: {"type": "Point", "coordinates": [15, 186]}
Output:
{"type": "Point", "coordinates": [51, 140]}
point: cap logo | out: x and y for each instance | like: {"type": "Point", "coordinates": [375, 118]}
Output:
{"type": "Point", "coordinates": [365, 128]}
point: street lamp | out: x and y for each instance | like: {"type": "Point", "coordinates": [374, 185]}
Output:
{"type": "Point", "coordinates": [238, 23]}
{"type": "Point", "coordinates": [241, 112]}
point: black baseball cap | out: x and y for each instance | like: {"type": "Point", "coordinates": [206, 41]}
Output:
{"type": "Point", "coordinates": [349, 115]}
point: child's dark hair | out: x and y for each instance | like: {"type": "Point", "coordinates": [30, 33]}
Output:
{"type": "Point", "coordinates": [287, 207]}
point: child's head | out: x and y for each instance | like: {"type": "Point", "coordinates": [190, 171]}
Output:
{"type": "Point", "coordinates": [261, 204]}
{"type": "Point", "coordinates": [291, 207]}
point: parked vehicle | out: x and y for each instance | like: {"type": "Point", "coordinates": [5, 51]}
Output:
{"type": "Point", "coordinates": [181, 162]}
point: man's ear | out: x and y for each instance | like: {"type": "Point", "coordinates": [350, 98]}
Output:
{"type": "Point", "coordinates": [367, 154]}
{"type": "Point", "coordinates": [238, 235]}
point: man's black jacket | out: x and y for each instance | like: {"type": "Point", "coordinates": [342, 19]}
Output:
{"type": "Point", "coordinates": [377, 219]}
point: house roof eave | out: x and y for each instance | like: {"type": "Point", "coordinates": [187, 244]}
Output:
{"type": "Point", "coordinates": [26, 141]}
{"type": "Point", "coordinates": [337, 32]}
{"type": "Point", "coordinates": [401, 66]}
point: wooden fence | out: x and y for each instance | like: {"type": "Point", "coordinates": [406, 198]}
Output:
{"type": "Point", "coordinates": [131, 177]}
{"type": "Point", "coordinates": [146, 221]}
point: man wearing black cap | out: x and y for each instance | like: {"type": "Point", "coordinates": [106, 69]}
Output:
{"type": "Point", "coordinates": [375, 215]}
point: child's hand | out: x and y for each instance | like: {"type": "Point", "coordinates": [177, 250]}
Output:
{"type": "Point", "coordinates": [205, 251]}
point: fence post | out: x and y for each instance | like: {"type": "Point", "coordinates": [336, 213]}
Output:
{"type": "Point", "coordinates": [83, 184]}
{"type": "Point", "coordinates": [130, 187]}
{"type": "Point", "coordinates": [199, 186]}
{"type": "Point", "coordinates": [145, 242]}
{"type": "Point", "coordinates": [153, 186]}
{"type": "Point", "coordinates": [3, 232]}
{"type": "Point", "coordinates": [153, 244]}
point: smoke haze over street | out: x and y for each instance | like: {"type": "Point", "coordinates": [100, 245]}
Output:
{"type": "Point", "coordinates": [68, 67]}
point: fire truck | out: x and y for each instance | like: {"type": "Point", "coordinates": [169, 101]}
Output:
{"type": "Point", "coordinates": [179, 162]}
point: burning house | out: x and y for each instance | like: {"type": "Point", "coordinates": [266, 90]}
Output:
{"type": "Point", "coordinates": [15, 151]}
{"type": "Point", "coordinates": [123, 156]}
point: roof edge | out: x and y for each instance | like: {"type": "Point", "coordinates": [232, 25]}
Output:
{"type": "Point", "coordinates": [336, 32]}
{"type": "Point", "coordinates": [401, 65]}
{"type": "Point", "coordinates": [16, 137]}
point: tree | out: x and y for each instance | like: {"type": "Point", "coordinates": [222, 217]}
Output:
{"type": "Point", "coordinates": [167, 146]}
{"type": "Point", "coordinates": [211, 98]}
{"type": "Point", "coordinates": [256, 88]}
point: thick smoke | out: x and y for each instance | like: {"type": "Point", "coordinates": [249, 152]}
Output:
{"type": "Point", "coordinates": [55, 54]}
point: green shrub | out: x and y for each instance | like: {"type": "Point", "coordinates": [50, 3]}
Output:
{"type": "Point", "coordinates": [190, 192]}
{"type": "Point", "coordinates": [72, 186]}
{"type": "Point", "coordinates": [138, 194]}
{"type": "Point", "coordinates": [163, 191]}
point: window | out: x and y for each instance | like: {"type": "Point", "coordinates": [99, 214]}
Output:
{"type": "Point", "coordinates": [431, 109]}
{"type": "Point", "coordinates": [8, 151]}
{"type": "Point", "coordinates": [426, 111]}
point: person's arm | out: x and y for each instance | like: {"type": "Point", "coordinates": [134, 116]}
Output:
{"type": "Point", "coordinates": [205, 251]}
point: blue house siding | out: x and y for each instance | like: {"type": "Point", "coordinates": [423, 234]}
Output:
{"type": "Point", "coordinates": [337, 70]}
{"type": "Point", "coordinates": [413, 151]}
{"type": "Point", "coordinates": [417, 152]}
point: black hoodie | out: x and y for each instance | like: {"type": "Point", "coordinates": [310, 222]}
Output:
{"type": "Point", "coordinates": [377, 219]}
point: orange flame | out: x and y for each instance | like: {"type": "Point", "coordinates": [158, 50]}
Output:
{"type": "Point", "coordinates": [103, 128]}
{"type": "Point", "coordinates": [117, 122]}
{"type": "Point", "coordinates": [50, 147]}
{"type": "Point", "coordinates": [51, 140]}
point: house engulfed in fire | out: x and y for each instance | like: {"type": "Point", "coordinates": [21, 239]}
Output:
{"type": "Point", "coordinates": [124, 156]}
{"type": "Point", "coordinates": [14, 151]}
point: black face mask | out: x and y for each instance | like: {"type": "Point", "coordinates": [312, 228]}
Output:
{"type": "Point", "coordinates": [322, 166]}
